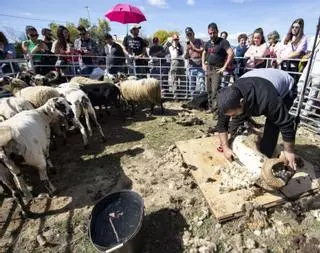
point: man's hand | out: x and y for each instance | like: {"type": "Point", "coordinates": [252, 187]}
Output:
{"type": "Point", "coordinates": [220, 71]}
{"type": "Point", "coordinates": [205, 67]}
{"type": "Point", "coordinates": [228, 153]}
{"type": "Point", "coordinates": [290, 157]}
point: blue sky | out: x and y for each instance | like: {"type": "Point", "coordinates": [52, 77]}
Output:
{"type": "Point", "coordinates": [233, 16]}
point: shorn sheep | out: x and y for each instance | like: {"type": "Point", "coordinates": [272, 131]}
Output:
{"type": "Point", "coordinates": [11, 106]}
{"type": "Point", "coordinates": [142, 90]}
{"type": "Point", "coordinates": [25, 139]}
{"type": "Point", "coordinates": [80, 103]}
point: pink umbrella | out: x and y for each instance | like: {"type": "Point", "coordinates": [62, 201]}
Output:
{"type": "Point", "coordinates": [125, 14]}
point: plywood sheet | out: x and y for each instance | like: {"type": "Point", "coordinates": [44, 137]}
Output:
{"type": "Point", "coordinates": [202, 153]}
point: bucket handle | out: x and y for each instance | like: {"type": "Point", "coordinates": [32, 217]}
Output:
{"type": "Point", "coordinates": [114, 248]}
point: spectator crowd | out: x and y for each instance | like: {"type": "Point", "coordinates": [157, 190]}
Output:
{"type": "Point", "coordinates": [192, 67]}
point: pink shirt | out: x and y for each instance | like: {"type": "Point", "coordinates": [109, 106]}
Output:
{"type": "Point", "coordinates": [255, 52]}
{"type": "Point", "coordinates": [288, 49]}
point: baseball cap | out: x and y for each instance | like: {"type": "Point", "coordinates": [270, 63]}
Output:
{"type": "Point", "coordinates": [135, 26]}
{"type": "Point", "coordinates": [189, 30]}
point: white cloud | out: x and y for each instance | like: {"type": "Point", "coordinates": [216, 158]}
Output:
{"type": "Point", "coordinates": [190, 2]}
{"type": "Point", "coordinates": [158, 3]}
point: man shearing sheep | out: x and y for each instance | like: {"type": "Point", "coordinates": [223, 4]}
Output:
{"type": "Point", "coordinates": [268, 92]}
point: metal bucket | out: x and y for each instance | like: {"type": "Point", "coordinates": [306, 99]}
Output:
{"type": "Point", "coordinates": [116, 221]}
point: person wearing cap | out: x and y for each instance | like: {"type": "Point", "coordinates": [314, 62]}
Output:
{"type": "Point", "coordinates": [177, 80]}
{"type": "Point", "coordinates": [115, 57]}
{"type": "Point", "coordinates": [217, 55]}
{"type": "Point", "coordinates": [194, 49]}
{"type": "Point", "coordinates": [47, 37]}
{"type": "Point", "coordinates": [88, 47]}
{"type": "Point", "coordinates": [136, 50]}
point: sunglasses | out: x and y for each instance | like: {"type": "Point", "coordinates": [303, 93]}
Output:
{"type": "Point", "coordinates": [295, 27]}
{"type": "Point", "coordinates": [82, 34]}
{"type": "Point", "coordinates": [33, 35]}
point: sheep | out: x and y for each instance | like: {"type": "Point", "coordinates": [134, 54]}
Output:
{"type": "Point", "coordinates": [142, 90]}
{"type": "Point", "coordinates": [48, 79]}
{"type": "Point", "coordinates": [99, 92]}
{"type": "Point", "coordinates": [11, 106]}
{"type": "Point", "coordinates": [80, 103]}
{"type": "Point", "coordinates": [25, 138]}
{"type": "Point", "coordinates": [37, 95]}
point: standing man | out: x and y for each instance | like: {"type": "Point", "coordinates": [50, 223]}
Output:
{"type": "Point", "coordinates": [194, 49]}
{"type": "Point", "coordinates": [217, 55]}
{"type": "Point", "coordinates": [136, 49]}
{"type": "Point", "coordinates": [115, 58]}
{"type": "Point", "coordinates": [269, 92]}
{"type": "Point", "coordinates": [88, 47]}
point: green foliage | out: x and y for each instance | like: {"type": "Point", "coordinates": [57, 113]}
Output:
{"type": "Point", "coordinates": [163, 35]}
{"type": "Point", "coordinates": [84, 22]}
{"type": "Point", "coordinates": [97, 32]}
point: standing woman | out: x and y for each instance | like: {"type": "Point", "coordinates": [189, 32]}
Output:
{"type": "Point", "coordinates": [274, 47]}
{"type": "Point", "coordinates": [60, 48]}
{"type": "Point", "coordinates": [34, 47]}
{"type": "Point", "coordinates": [294, 47]}
{"type": "Point", "coordinates": [258, 49]}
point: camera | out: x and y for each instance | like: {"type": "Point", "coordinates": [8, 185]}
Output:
{"type": "Point", "coordinates": [188, 42]}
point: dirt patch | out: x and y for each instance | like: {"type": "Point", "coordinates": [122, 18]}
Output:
{"type": "Point", "coordinates": [140, 154]}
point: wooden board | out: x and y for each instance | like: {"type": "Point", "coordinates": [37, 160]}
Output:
{"type": "Point", "coordinates": [202, 153]}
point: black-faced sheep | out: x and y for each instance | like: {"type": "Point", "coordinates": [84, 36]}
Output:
{"type": "Point", "coordinates": [25, 138]}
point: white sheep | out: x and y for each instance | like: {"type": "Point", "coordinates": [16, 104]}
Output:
{"type": "Point", "coordinates": [80, 103]}
{"type": "Point", "coordinates": [11, 106]}
{"type": "Point", "coordinates": [142, 90]}
{"type": "Point", "coordinates": [37, 95]}
{"type": "Point", "coordinates": [26, 137]}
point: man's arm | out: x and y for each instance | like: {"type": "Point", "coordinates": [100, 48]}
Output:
{"type": "Point", "coordinates": [204, 63]}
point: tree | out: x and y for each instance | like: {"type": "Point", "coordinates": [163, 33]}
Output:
{"type": "Point", "coordinates": [84, 22]}
{"type": "Point", "coordinates": [97, 32]}
{"type": "Point", "coordinates": [163, 35]}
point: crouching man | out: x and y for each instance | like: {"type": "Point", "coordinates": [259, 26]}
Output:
{"type": "Point", "coordinates": [268, 92]}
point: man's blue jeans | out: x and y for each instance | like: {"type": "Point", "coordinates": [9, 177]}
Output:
{"type": "Point", "coordinates": [196, 80]}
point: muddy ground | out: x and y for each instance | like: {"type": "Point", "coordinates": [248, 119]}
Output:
{"type": "Point", "coordinates": [140, 155]}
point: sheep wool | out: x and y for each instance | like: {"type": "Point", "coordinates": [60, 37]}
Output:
{"type": "Point", "coordinates": [37, 95]}
{"type": "Point", "coordinates": [12, 105]}
{"type": "Point", "coordinates": [143, 90]}
{"type": "Point", "coordinates": [85, 81]}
